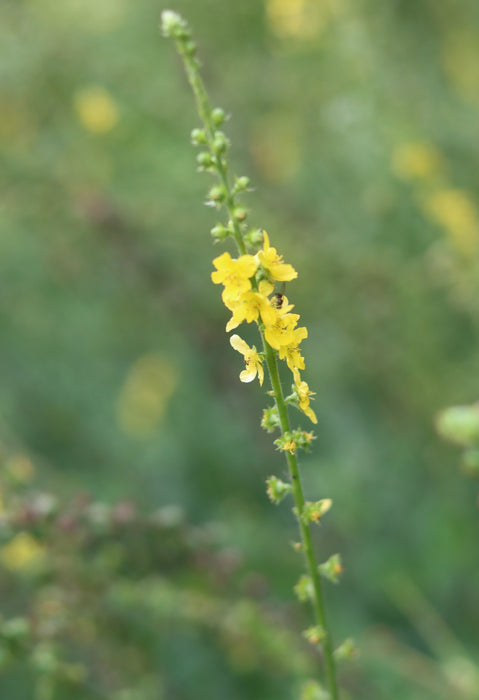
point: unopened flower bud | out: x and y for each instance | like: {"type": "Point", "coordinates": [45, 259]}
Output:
{"type": "Point", "coordinates": [220, 143]}
{"type": "Point", "coordinates": [205, 160]}
{"type": "Point", "coordinates": [241, 183]}
{"type": "Point", "coordinates": [239, 214]}
{"type": "Point", "coordinates": [216, 195]}
{"type": "Point", "coordinates": [220, 232]}
{"type": "Point", "coordinates": [198, 136]}
{"type": "Point", "coordinates": [218, 116]}
{"type": "Point", "coordinates": [254, 238]}
{"type": "Point", "coordinates": [173, 25]}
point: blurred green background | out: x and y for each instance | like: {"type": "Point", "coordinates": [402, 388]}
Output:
{"type": "Point", "coordinates": [357, 122]}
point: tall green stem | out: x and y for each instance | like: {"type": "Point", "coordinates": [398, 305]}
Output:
{"type": "Point", "coordinates": [307, 543]}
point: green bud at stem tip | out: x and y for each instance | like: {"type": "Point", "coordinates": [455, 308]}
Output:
{"type": "Point", "coordinates": [173, 26]}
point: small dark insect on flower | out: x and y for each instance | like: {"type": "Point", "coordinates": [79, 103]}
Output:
{"type": "Point", "coordinates": [278, 298]}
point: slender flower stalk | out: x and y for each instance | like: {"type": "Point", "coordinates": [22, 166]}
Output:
{"type": "Point", "coordinates": [249, 284]}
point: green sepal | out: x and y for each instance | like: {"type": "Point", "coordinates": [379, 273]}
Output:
{"type": "Point", "coordinates": [304, 589]}
{"type": "Point", "coordinates": [332, 568]}
{"type": "Point", "coordinates": [270, 420]}
{"type": "Point", "coordinates": [315, 635]}
{"type": "Point", "coordinates": [347, 650]}
{"type": "Point", "coordinates": [313, 512]}
{"type": "Point", "coordinates": [277, 489]}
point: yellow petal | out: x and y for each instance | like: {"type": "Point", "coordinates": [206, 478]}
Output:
{"type": "Point", "coordinates": [265, 288]}
{"type": "Point", "coordinates": [260, 373]}
{"type": "Point", "coordinates": [268, 315]}
{"type": "Point", "coordinates": [283, 272]}
{"type": "Point", "coordinates": [222, 260]}
{"type": "Point", "coordinates": [239, 344]}
{"type": "Point", "coordinates": [247, 375]}
{"type": "Point", "coordinates": [232, 323]}
{"type": "Point", "coordinates": [246, 266]}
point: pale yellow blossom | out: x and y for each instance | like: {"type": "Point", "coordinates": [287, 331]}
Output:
{"type": "Point", "coordinates": [96, 109]}
{"type": "Point", "coordinates": [254, 363]}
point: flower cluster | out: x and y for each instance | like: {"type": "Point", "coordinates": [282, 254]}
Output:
{"type": "Point", "coordinates": [249, 293]}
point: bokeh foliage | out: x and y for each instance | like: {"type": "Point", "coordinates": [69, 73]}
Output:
{"type": "Point", "coordinates": [357, 123]}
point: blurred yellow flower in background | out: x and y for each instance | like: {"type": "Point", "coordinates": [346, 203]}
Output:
{"type": "Point", "coordinates": [300, 19]}
{"type": "Point", "coordinates": [144, 396]}
{"type": "Point", "coordinates": [416, 160]}
{"type": "Point", "coordinates": [22, 552]}
{"type": "Point", "coordinates": [20, 468]}
{"type": "Point", "coordinates": [461, 58]}
{"type": "Point", "coordinates": [96, 109]}
{"type": "Point", "coordinates": [456, 212]}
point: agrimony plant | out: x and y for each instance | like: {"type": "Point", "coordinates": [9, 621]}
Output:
{"type": "Point", "coordinates": [253, 291]}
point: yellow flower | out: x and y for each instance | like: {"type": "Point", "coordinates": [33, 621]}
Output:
{"type": "Point", "coordinates": [300, 20]}
{"type": "Point", "coordinates": [96, 109]}
{"type": "Point", "coordinates": [455, 210]}
{"type": "Point", "coordinates": [416, 160]}
{"type": "Point", "coordinates": [252, 305]}
{"type": "Point", "coordinates": [254, 363]}
{"type": "Point", "coordinates": [20, 468]}
{"type": "Point", "coordinates": [22, 552]}
{"type": "Point", "coordinates": [304, 395]}
{"type": "Point", "coordinates": [292, 355]}
{"type": "Point", "coordinates": [290, 446]}
{"type": "Point", "coordinates": [141, 405]}
{"type": "Point", "coordinates": [282, 331]}
{"type": "Point", "coordinates": [234, 275]}
{"type": "Point", "coordinates": [273, 263]}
